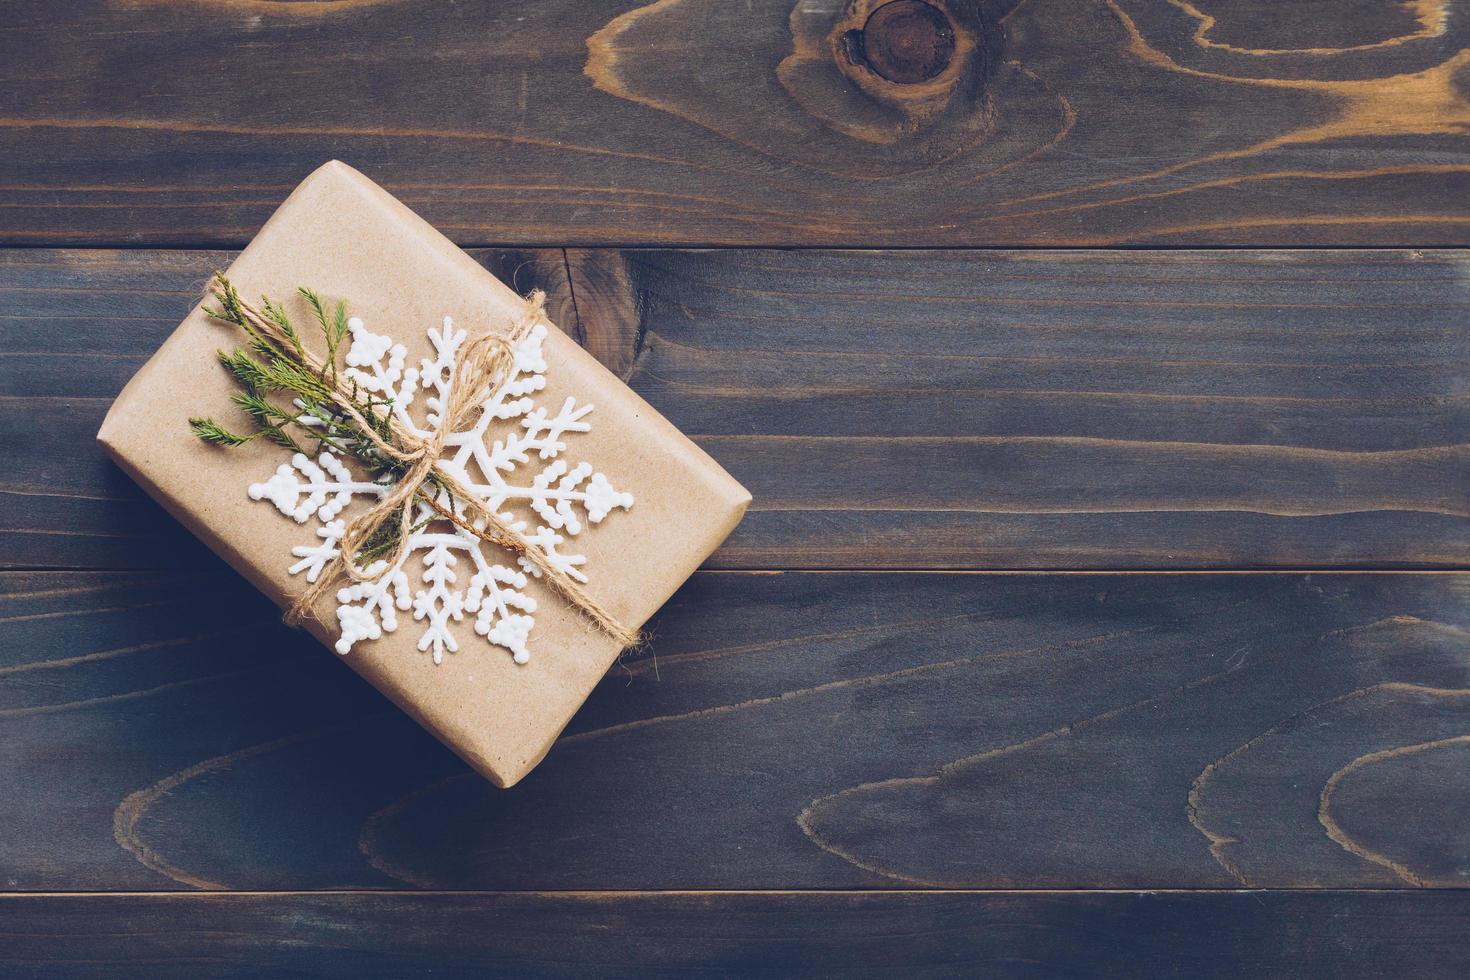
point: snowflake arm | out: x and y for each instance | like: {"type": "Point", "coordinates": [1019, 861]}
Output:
{"type": "Point", "coordinates": [439, 603]}
{"type": "Point", "coordinates": [316, 556]}
{"type": "Point", "coordinates": [327, 488]}
{"type": "Point", "coordinates": [548, 540]}
{"type": "Point", "coordinates": [366, 610]}
{"type": "Point", "coordinates": [391, 382]}
{"type": "Point", "coordinates": [553, 504]}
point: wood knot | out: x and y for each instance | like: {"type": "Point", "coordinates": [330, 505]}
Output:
{"type": "Point", "coordinates": [904, 41]}
{"type": "Point", "coordinates": [905, 83]}
{"type": "Point", "coordinates": [910, 54]}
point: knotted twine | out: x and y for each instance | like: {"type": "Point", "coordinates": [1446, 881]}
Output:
{"type": "Point", "coordinates": [480, 370]}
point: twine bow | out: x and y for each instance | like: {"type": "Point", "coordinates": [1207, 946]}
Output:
{"type": "Point", "coordinates": [481, 368]}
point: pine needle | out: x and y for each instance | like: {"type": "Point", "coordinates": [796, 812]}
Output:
{"type": "Point", "coordinates": [279, 318]}
{"type": "Point", "coordinates": [212, 432]}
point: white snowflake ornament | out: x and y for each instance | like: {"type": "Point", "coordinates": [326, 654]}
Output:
{"type": "Point", "coordinates": [459, 576]}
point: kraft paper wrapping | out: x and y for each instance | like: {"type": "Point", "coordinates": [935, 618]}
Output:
{"type": "Point", "coordinates": [344, 236]}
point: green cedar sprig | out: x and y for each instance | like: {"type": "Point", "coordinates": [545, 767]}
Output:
{"type": "Point", "coordinates": [212, 432]}
{"type": "Point", "coordinates": [334, 328]}
{"type": "Point", "coordinates": [289, 402]}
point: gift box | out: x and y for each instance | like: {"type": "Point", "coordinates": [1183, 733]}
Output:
{"type": "Point", "coordinates": [468, 637]}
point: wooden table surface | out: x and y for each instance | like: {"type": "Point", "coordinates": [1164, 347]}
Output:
{"type": "Point", "coordinates": [1104, 606]}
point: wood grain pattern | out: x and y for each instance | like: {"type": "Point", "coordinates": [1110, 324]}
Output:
{"type": "Point", "coordinates": [796, 730]}
{"type": "Point", "coordinates": [1201, 934]}
{"type": "Point", "coordinates": [901, 410]}
{"type": "Point", "coordinates": [845, 748]}
{"type": "Point", "coordinates": [770, 122]}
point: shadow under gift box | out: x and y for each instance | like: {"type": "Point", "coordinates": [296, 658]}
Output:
{"type": "Point", "coordinates": [345, 237]}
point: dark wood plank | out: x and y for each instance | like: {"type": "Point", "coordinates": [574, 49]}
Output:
{"type": "Point", "coordinates": [901, 410]}
{"type": "Point", "coordinates": [769, 122]}
{"type": "Point", "coordinates": [811, 730]}
{"type": "Point", "coordinates": [1237, 935]}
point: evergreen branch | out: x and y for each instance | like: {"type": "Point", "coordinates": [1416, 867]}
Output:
{"type": "Point", "coordinates": [212, 432]}
{"type": "Point", "coordinates": [334, 326]}
{"type": "Point", "coordinates": [262, 411]}
{"type": "Point", "coordinates": [251, 374]}
{"type": "Point", "coordinates": [281, 438]}
{"type": "Point", "coordinates": [278, 316]}
{"type": "Point", "coordinates": [288, 375]}
{"type": "Point", "coordinates": [271, 366]}
{"type": "Point", "coordinates": [231, 310]}
{"type": "Point", "coordinates": [315, 302]}
{"type": "Point", "coordinates": [262, 347]}
{"type": "Point", "coordinates": [339, 322]}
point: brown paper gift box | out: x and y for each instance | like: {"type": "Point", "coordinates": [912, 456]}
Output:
{"type": "Point", "coordinates": [344, 236]}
